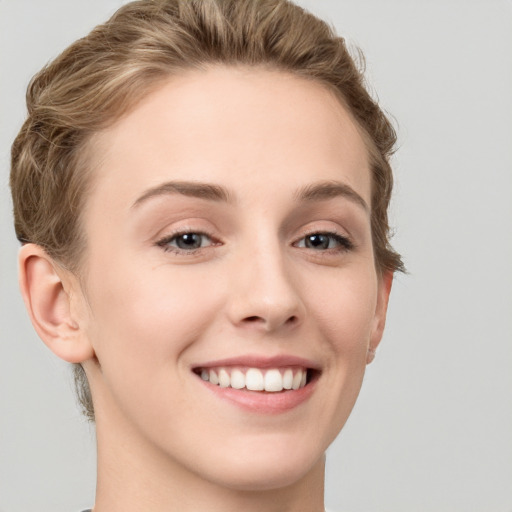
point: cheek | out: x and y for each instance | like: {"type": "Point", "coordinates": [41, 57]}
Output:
{"type": "Point", "coordinates": [145, 322]}
{"type": "Point", "coordinates": [345, 310]}
{"type": "Point", "coordinates": [141, 328]}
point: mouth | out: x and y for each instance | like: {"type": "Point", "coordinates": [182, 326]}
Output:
{"type": "Point", "coordinates": [265, 380]}
{"type": "Point", "coordinates": [263, 385]}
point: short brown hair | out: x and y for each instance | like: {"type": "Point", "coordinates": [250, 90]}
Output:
{"type": "Point", "coordinates": [103, 75]}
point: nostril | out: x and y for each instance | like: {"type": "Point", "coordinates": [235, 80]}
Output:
{"type": "Point", "coordinates": [253, 319]}
{"type": "Point", "coordinates": [256, 321]}
{"type": "Point", "coordinates": [292, 320]}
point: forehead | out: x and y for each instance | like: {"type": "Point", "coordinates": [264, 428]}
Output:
{"type": "Point", "coordinates": [231, 125]}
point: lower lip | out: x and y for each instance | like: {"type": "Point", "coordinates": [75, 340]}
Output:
{"type": "Point", "coordinates": [260, 401]}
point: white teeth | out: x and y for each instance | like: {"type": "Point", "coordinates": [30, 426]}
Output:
{"type": "Point", "coordinates": [213, 377]}
{"type": "Point", "coordinates": [254, 380]}
{"type": "Point", "coordinates": [224, 380]}
{"type": "Point", "coordinates": [272, 380]}
{"type": "Point", "coordinates": [288, 379]}
{"type": "Point", "coordinates": [237, 379]}
{"type": "Point", "coordinates": [297, 379]}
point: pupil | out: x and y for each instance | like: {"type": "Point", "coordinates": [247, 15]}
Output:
{"type": "Point", "coordinates": [317, 241]}
{"type": "Point", "coordinates": [189, 241]}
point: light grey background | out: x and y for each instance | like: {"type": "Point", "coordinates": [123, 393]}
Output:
{"type": "Point", "coordinates": [432, 430]}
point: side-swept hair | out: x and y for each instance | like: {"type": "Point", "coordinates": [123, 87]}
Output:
{"type": "Point", "coordinates": [103, 75]}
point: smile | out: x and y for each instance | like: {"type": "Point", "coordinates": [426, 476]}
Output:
{"type": "Point", "coordinates": [272, 380]}
{"type": "Point", "coordinates": [260, 384]}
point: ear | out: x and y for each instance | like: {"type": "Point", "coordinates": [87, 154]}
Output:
{"type": "Point", "coordinates": [49, 293]}
{"type": "Point", "coordinates": [384, 289]}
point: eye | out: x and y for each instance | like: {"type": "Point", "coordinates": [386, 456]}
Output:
{"type": "Point", "coordinates": [185, 242]}
{"type": "Point", "coordinates": [325, 241]}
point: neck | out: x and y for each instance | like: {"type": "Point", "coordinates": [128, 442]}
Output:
{"type": "Point", "coordinates": [133, 475]}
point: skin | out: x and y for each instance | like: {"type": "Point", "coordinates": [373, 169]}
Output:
{"type": "Point", "coordinates": [146, 312]}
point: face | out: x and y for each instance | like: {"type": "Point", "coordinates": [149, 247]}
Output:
{"type": "Point", "coordinates": [230, 281]}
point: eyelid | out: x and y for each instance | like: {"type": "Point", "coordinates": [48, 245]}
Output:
{"type": "Point", "coordinates": [163, 241]}
{"type": "Point", "coordinates": [345, 241]}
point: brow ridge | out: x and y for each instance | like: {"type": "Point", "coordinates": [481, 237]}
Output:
{"type": "Point", "coordinates": [329, 190]}
{"type": "Point", "coordinates": [211, 192]}
{"type": "Point", "coordinates": [207, 191]}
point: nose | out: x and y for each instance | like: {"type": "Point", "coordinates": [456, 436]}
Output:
{"type": "Point", "coordinates": [264, 291]}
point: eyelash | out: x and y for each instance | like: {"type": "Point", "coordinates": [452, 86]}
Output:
{"type": "Point", "coordinates": [344, 243]}
{"type": "Point", "coordinates": [164, 242]}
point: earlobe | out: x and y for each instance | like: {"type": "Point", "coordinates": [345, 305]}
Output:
{"type": "Point", "coordinates": [46, 291]}
{"type": "Point", "coordinates": [385, 282]}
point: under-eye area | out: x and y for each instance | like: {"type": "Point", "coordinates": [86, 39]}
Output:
{"type": "Point", "coordinates": [270, 380]}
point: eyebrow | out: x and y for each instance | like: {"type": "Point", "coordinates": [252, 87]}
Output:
{"type": "Point", "coordinates": [211, 192]}
{"type": "Point", "coordinates": [331, 189]}
{"type": "Point", "coordinates": [207, 191]}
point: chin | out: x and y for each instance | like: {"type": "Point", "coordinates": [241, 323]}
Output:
{"type": "Point", "coordinates": [265, 465]}
{"type": "Point", "coordinates": [261, 476]}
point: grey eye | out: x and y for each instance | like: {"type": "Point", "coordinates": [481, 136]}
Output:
{"type": "Point", "coordinates": [185, 242]}
{"type": "Point", "coordinates": [318, 241]}
{"type": "Point", "coordinates": [325, 241]}
{"type": "Point", "coordinates": [189, 241]}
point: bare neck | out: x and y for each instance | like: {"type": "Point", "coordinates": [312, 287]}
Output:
{"type": "Point", "coordinates": [133, 477]}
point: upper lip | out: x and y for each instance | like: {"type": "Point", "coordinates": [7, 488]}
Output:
{"type": "Point", "coordinates": [257, 361]}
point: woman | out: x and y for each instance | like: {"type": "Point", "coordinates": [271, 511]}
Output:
{"type": "Point", "coordinates": [201, 190]}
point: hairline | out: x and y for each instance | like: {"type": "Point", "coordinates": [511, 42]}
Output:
{"type": "Point", "coordinates": [89, 159]}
